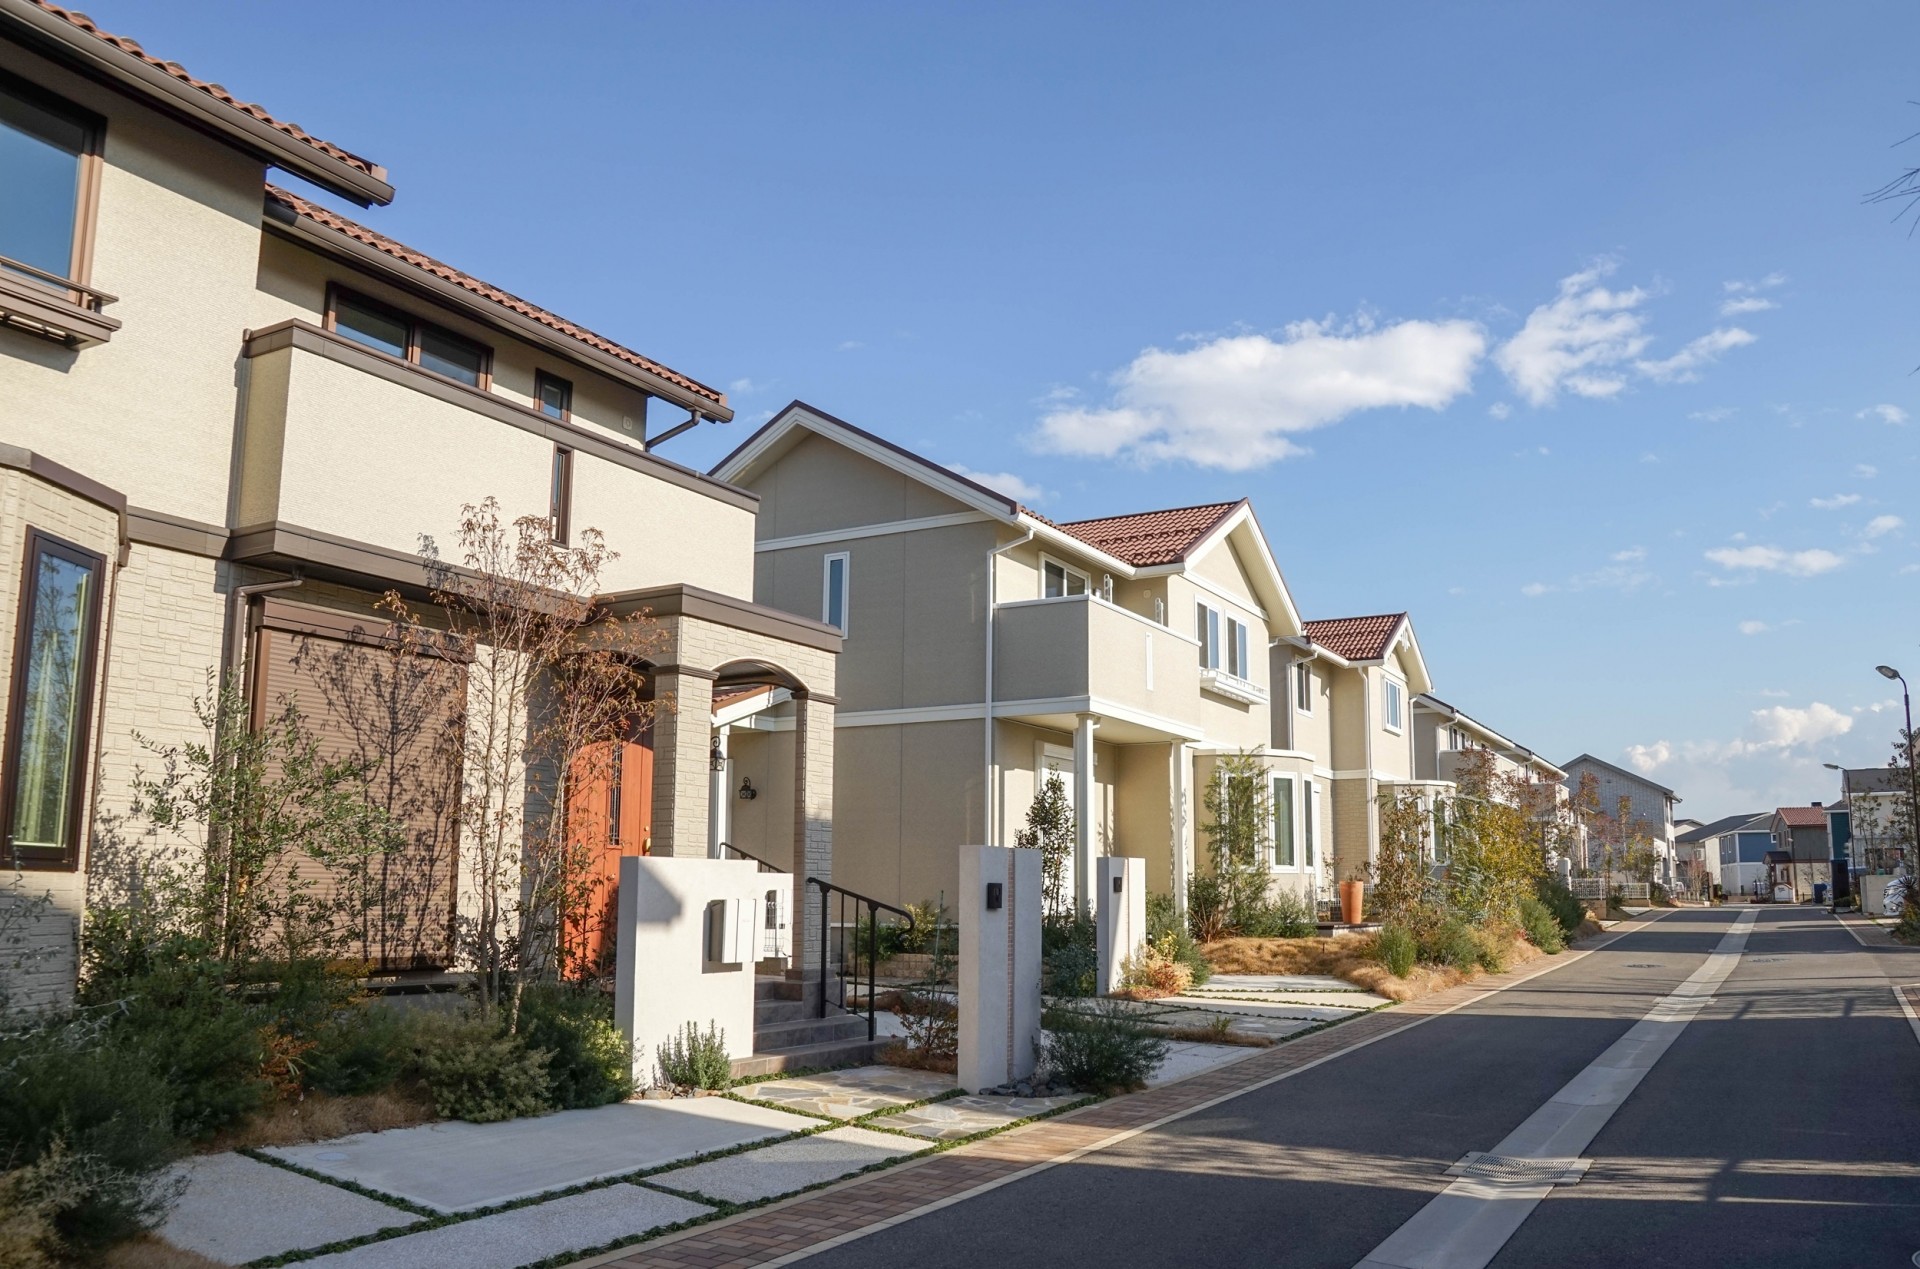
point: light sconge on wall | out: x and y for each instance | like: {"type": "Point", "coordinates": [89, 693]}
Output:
{"type": "Point", "coordinates": [716, 761]}
{"type": "Point", "coordinates": [747, 792]}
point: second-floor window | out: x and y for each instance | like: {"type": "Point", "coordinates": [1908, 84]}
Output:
{"type": "Point", "coordinates": [560, 509]}
{"type": "Point", "coordinates": [1057, 580]}
{"type": "Point", "coordinates": [1223, 642]}
{"type": "Point", "coordinates": [388, 330]}
{"type": "Point", "coordinates": [1390, 700]}
{"type": "Point", "coordinates": [553, 395]}
{"type": "Point", "coordinates": [43, 156]}
{"type": "Point", "coordinates": [1303, 686]}
{"type": "Point", "coordinates": [833, 590]}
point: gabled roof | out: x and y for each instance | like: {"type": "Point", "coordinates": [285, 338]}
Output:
{"type": "Point", "coordinates": [1152, 537]}
{"type": "Point", "coordinates": [73, 38]}
{"type": "Point", "coordinates": [1356, 638]}
{"type": "Point", "coordinates": [1873, 780]}
{"type": "Point", "coordinates": [1802, 816]}
{"type": "Point", "coordinates": [1720, 827]}
{"type": "Point", "coordinates": [1618, 770]}
{"type": "Point", "coordinates": [709, 401]}
{"type": "Point", "coordinates": [1427, 700]}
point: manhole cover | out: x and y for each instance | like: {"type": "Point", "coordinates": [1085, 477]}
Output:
{"type": "Point", "coordinates": [1517, 1170]}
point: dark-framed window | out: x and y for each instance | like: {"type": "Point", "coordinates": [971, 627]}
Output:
{"type": "Point", "coordinates": [49, 703]}
{"type": "Point", "coordinates": [386, 329]}
{"type": "Point", "coordinates": [49, 170]}
{"type": "Point", "coordinates": [552, 396]}
{"type": "Point", "coordinates": [561, 495]}
{"type": "Point", "coordinates": [615, 778]}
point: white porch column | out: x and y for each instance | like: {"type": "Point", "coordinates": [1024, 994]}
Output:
{"type": "Point", "coordinates": [1083, 814]}
{"type": "Point", "coordinates": [1182, 852]}
{"type": "Point", "coordinates": [719, 804]}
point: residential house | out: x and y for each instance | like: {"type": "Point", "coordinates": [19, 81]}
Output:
{"type": "Point", "coordinates": [1649, 808]}
{"type": "Point", "coordinates": [1733, 850]}
{"type": "Point", "coordinates": [1878, 834]}
{"type": "Point", "coordinates": [231, 417]}
{"type": "Point", "coordinates": [1801, 855]}
{"type": "Point", "coordinates": [1689, 857]}
{"type": "Point", "coordinates": [1446, 738]}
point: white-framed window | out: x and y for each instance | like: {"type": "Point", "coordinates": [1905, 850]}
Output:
{"type": "Point", "coordinates": [1058, 580]}
{"type": "Point", "coordinates": [1209, 632]}
{"type": "Point", "coordinates": [1238, 657]}
{"type": "Point", "coordinates": [1310, 821]}
{"type": "Point", "coordinates": [1442, 850]}
{"type": "Point", "coordinates": [1303, 686]}
{"type": "Point", "coordinates": [1224, 642]}
{"type": "Point", "coordinates": [1390, 704]}
{"type": "Point", "coordinates": [1283, 822]}
{"type": "Point", "coordinates": [835, 579]}
{"type": "Point", "coordinates": [1456, 739]}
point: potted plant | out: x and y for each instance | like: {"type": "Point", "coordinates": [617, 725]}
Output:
{"type": "Point", "coordinates": [1352, 899]}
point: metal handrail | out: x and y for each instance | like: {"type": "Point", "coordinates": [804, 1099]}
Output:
{"type": "Point", "coordinates": [874, 908]}
{"type": "Point", "coordinates": [97, 299]}
{"type": "Point", "coordinates": [750, 857]}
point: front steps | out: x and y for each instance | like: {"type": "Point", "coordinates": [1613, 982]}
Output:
{"type": "Point", "coordinates": [788, 1037]}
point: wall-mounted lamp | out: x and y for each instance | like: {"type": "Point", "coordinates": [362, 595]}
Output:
{"type": "Point", "coordinates": [747, 792]}
{"type": "Point", "coordinates": [716, 761]}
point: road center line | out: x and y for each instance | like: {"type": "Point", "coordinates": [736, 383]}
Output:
{"type": "Point", "coordinates": [1466, 1224]}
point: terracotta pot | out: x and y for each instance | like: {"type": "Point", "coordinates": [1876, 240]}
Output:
{"type": "Point", "coordinates": [1351, 906]}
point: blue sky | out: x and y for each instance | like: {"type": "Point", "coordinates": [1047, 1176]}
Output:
{"type": "Point", "coordinates": [1561, 326]}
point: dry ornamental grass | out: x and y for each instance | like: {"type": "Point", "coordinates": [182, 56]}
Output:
{"type": "Point", "coordinates": [1350, 956]}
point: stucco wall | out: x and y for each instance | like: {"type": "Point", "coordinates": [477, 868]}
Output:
{"type": "Point", "coordinates": [818, 485]}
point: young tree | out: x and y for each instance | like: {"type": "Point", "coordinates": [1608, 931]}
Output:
{"type": "Point", "coordinates": [1494, 858]}
{"type": "Point", "coordinates": [1239, 807]}
{"type": "Point", "coordinates": [1400, 877]}
{"type": "Point", "coordinates": [1049, 830]}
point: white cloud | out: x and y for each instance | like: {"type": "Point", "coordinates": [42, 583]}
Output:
{"type": "Point", "coordinates": [848, 345]}
{"type": "Point", "coordinates": [1774, 691]}
{"type": "Point", "coordinates": [1885, 413]}
{"type": "Point", "coordinates": [1629, 556]}
{"type": "Point", "coordinates": [1746, 304]}
{"type": "Point", "coordinates": [1235, 401]}
{"type": "Point", "coordinates": [1909, 568]}
{"type": "Point", "coordinates": [1005, 482]}
{"type": "Point", "coordinates": [1865, 471]}
{"type": "Point", "coordinates": [1784, 727]}
{"type": "Point", "coordinates": [1742, 287]}
{"type": "Point", "coordinates": [1646, 759]}
{"type": "Point", "coordinates": [1622, 572]}
{"type": "Point", "coordinates": [1880, 526]}
{"type": "Point", "coordinates": [1575, 342]}
{"type": "Point", "coordinates": [1684, 366]}
{"type": "Point", "coordinates": [1834, 503]}
{"type": "Point", "coordinates": [1718, 414]}
{"type": "Point", "coordinates": [1533, 590]}
{"type": "Point", "coordinates": [1499, 410]}
{"type": "Point", "coordinates": [1772, 559]}
{"type": "Point", "coordinates": [1754, 627]}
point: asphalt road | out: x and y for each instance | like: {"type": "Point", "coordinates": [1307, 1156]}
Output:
{"type": "Point", "coordinates": [1782, 1127]}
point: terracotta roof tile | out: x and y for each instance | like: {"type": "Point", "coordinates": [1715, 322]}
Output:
{"type": "Point", "coordinates": [1150, 537]}
{"type": "Point", "coordinates": [1803, 816]}
{"type": "Point", "coordinates": [82, 22]}
{"type": "Point", "coordinates": [485, 290]}
{"type": "Point", "coordinates": [1355, 638]}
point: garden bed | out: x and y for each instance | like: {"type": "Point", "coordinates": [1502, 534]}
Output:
{"type": "Point", "coordinates": [1354, 958]}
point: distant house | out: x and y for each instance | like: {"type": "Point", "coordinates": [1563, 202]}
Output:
{"type": "Point", "coordinates": [1802, 854]}
{"type": "Point", "coordinates": [1875, 835]}
{"type": "Point", "coordinates": [1649, 803]}
{"type": "Point", "coordinates": [1733, 850]}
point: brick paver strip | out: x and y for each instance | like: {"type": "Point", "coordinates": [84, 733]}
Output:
{"type": "Point", "coordinates": [808, 1224]}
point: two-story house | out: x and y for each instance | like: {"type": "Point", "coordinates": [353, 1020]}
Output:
{"type": "Point", "coordinates": [231, 416]}
{"type": "Point", "coordinates": [1801, 855]}
{"type": "Point", "coordinates": [1650, 804]}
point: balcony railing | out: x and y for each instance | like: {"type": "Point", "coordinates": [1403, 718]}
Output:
{"type": "Point", "coordinates": [1083, 646]}
{"type": "Point", "coordinates": [53, 307]}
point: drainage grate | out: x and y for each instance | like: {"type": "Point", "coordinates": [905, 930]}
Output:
{"type": "Point", "coordinates": [1508, 1169]}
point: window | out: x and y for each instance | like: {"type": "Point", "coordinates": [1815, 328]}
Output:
{"type": "Point", "coordinates": [50, 700]}
{"type": "Point", "coordinates": [388, 330]}
{"type": "Point", "coordinates": [1442, 846]}
{"type": "Point", "coordinates": [1311, 825]}
{"type": "Point", "coordinates": [1390, 705]}
{"type": "Point", "coordinates": [833, 591]}
{"type": "Point", "coordinates": [1223, 642]}
{"type": "Point", "coordinates": [617, 770]}
{"type": "Point", "coordinates": [1303, 686]}
{"type": "Point", "coordinates": [1057, 580]}
{"type": "Point", "coordinates": [44, 152]}
{"type": "Point", "coordinates": [1237, 657]}
{"type": "Point", "coordinates": [1209, 620]}
{"type": "Point", "coordinates": [553, 396]}
{"type": "Point", "coordinates": [1283, 821]}
{"type": "Point", "coordinates": [560, 497]}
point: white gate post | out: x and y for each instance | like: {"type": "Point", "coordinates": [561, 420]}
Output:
{"type": "Point", "coordinates": [1122, 927]}
{"type": "Point", "coordinates": [999, 911]}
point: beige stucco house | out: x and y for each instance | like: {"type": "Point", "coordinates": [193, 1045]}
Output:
{"type": "Point", "coordinates": [228, 418]}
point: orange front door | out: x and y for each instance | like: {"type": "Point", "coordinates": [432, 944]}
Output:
{"type": "Point", "coordinates": [609, 814]}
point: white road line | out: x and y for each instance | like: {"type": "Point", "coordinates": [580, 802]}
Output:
{"type": "Point", "coordinates": [1466, 1224]}
{"type": "Point", "coordinates": [1899, 992]}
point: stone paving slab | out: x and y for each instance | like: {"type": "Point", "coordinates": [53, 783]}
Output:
{"type": "Point", "coordinates": [1355, 999]}
{"type": "Point", "coordinates": [1253, 1009]}
{"type": "Point", "coordinates": [1275, 982]}
{"type": "Point", "coordinates": [1186, 1058]}
{"type": "Point", "coordinates": [850, 1094]}
{"type": "Point", "coordinates": [453, 1167]}
{"type": "Point", "coordinates": [235, 1209]}
{"type": "Point", "coordinates": [787, 1166]}
{"type": "Point", "coordinates": [509, 1239]}
{"type": "Point", "coordinates": [964, 1116]}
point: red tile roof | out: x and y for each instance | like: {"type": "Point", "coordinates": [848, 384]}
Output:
{"type": "Point", "coordinates": [1803, 816]}
{"type": "Point", "coordinates": [725, 696]}
{"type": "Point", "coordinates": [1151, 537]}
{"type": "Point", "coordinates": [82, 22]}
{"type": "Point", "coordinates": [485, 290]}
{"type": "Point", "coordinates": [1355, 638]}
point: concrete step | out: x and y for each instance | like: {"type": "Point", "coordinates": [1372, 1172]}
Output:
{"type": "Point", "coordinates": [767, 1012]}
{"type": "Point", "coordinates": [823, 1056]}
{"type": "Point", "coordinates": [771, 988]}
{"type": "Point", "coordinates": [804, 1031]}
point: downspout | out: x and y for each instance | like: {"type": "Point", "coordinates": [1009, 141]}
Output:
{"type": "Point", "coordinates": [120, 559]}
{"type": "Point", "coordinates": [237, 618]}
{"type": "Point", "coordinates": [986, 827]}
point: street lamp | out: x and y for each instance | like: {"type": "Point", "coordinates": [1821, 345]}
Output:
{"type": "Point", "coordinates": [1913, 774]}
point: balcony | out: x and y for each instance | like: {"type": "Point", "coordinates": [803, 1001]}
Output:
{"type": "Point", "coordinates": [53, 307]}
{"type": "Point", "coordinates": [348, 458]}
{"type": "Point", "coordinates": [1055, 658]}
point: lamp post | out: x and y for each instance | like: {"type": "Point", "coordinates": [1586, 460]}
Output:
{"type": "Point", "coordinates": [1913, 775]}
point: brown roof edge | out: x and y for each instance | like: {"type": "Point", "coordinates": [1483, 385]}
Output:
{"type": "Point", "coordinates": [73, 38]}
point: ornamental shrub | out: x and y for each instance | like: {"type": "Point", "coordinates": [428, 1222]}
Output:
{"type": "Point", "coordinates": [362, 1049]}
{"type": "Point", "coordinates": [1567, 910]}
{"type": "Point", "coordinates": [1397, 950]}
{"type": "Point", "coordinates": [1451, 941]}
{"type": "Point", "coordinates": [693, 1060]}
{"type": "Point", "coordinates": [1282, 915]}
{"type": "Point", "coordinates": [1069, 956]}
{"type": "Point", "coordinates": [1154, 972]}
{"type": "Point", "coordinates": [1164, 923]}
{"type": "Point", "coordinates": [1541, 926]}
{"type": "Point", "coordinates": [1100, 1048]}
{"type": "Point", "coordinates": [474, 1073]}
{"type": "Point", "coordinates": [198, 1031]}
{"type": "Point", "coordinates": [591, 1063]}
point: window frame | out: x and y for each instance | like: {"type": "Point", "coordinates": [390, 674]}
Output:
{"type": "Point", "coordinates": [1310, 821]}
{"type": "Point", "coordinates": [414, 325]}
{"type": "Point", "coordinates": [39, 543]}
{"type": "Point", "coordinates": [1393, 692]}
{"type": "Point", "coordinates": [1239, 658]}
{"type": "Point", "coordinates": [1292, 822]}
{"type": "Point", "coordinates": [86, 192]}
{"type": "Point", "coordinates": [1208, 619]}
{"type": "Point", "coordinates": [827, 561]}
{"type": "Point", "coordinates": [1068, 571]}
{"type": "Point", "coordinates": [1303, 686]}
{"type": "Point", "coordinates": [560, 495]}
{"type": "Point", "coordinates": [541, 379]}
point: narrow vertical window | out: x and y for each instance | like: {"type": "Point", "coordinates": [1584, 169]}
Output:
{"type": "Point", "coordinates": [1209, 620]}
{"type": "Point", "coordinates": [1238, 658]}
{"type": "Point", "coordinates": [1390, 705]}
{"type": "Point", "coordinates": [553, 395]}
{"type": "Point", "coordinates": [1283, 821]}
{"type": "Point", "coordinates": [833, 591]}
{"type": "Point", "coordinates": [1312, 825]}
{"type": "Point", "coordinates": [618, 770]}
{"type": "Point", "coordinates": [561, 510]}
{"type": "Point", "coordinates": [50, 702]}
{"type": "Point", "coordinates": [1303, 687]}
